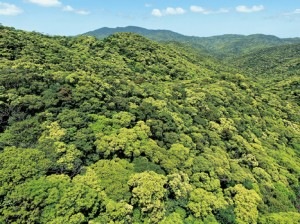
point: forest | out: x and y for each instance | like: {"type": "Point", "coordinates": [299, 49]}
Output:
{"type": "Point", "coordinates": [125, 129]}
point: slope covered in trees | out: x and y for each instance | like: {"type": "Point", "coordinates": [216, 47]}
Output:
{"type": "Point", "coordinates": [275, 67]}
{"type": "Point", "coordinates": [222, 46]}
{"type": "Point", "coordinates": [281, 61]}
{"type": "Point", "coordinates": [126, 130]}
{"type": "Point", "coordinates": [157, 35]}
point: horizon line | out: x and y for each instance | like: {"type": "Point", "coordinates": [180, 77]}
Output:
{"type": "Point", "coordinates": [152, 29]}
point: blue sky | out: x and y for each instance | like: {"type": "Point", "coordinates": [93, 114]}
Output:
{"type": "Point", "coordinates": [189, 17]}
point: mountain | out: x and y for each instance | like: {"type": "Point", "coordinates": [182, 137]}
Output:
{"type": "Point", "coordinates": [278, 67]}
{"type": "Point", "coordinates": [157, 35]}
{"type": "Point", "coordinates": [221, 46]}
{"type": "Point", "coordinates": [128, 130]}
{"type": "Point", "coordinates": [273, 61]}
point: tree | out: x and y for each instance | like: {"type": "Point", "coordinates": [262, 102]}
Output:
{"type": "Point", "coordinates": [203, 203]}
{"type": "Point", "coordinates": [245, 203]}
{"type": "Point", "coordinates": [65, 157]}
{"type": "Point", "coordinates": [18, 165]}
{"type": "Point", "coordinates": [114, 175]}
{"type": "Point", "coordinates": [148, 193]}
{"type": "Point", "coordinates": [179, 185]}
{"type": "Point", "coordinates": [175, 158]}
{"type": "Point", "coordinates": [55, 199]}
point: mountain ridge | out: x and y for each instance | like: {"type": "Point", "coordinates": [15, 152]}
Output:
{"type": "Point", "coordinates": [221, 46]}
{"type": "Point", "coordinates": [128, 130]}
{"type": "Point", "coordinates": [112, 30]}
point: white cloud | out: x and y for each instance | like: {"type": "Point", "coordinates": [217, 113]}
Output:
{"type": "Point", "coordinates": [46, 3]}
{"type": "Point", "coordinates": [295, 12]}
{"type": "Point", "coordinates": [57, 3]}
{"type": "Point", "coordinates": [9, 9]}
{"type": "Point", "coordinates": [199, 9]}
{"type": "Point", "coordinates": [157, 13]}
{"type": "Point", "coordinates": [246, 9]}
{"type": "Point", "coordinates": [168, 11]}
{"type": "Point", "coordinates": [174, 11]}
{"type": "Point", "coordinates": [148, 5]}
{"type": "Point", "coordinates": [69, 8]}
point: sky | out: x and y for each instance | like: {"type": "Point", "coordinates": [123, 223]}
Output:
{"type": "Point", "coordinates": [188, 17]}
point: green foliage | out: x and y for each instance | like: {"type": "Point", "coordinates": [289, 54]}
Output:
{"type": "Point", "coordinates": [173, 218]}
{"type": "Point", "coordinates": [148, 193]}
{"type": "Point", "coordinates": [114, 175]}
{"type": "Point", "coordinates": [127, 130]}
{"type": "Point", "coordinates": [17, 165]}
{"type": "Point", "coordinates": [221, 46]}
{"type": "Point", "coordinates": [53, 199]}
{"type": "Point", "coordinates": [270, 61]}
{"type": "Point", "coordinates": [203, 203]}
{"type": "Point", "coordinates": [226, 215]}
{"type": "Point", "coordinates": [179, 185]}
{"type": "Point", "coordinates": [245, 204]}
{"type": "Point", "coordinates": [142, 164]}
{"type": "Point", "coordinates": [280, 218]}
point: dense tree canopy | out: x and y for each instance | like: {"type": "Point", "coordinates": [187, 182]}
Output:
{"type": "Point", "coordinates": [127, 130]}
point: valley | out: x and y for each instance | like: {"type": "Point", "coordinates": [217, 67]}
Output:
{"type": "Point", "coordinates": [132, 125]}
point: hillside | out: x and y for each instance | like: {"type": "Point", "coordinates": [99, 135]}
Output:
{"type": "Point", "coordinates": [127, 130]}
{"type": "Point", "coordinates": [157, 35]}
{"type": "Point", "coordinates": [277, 61]}
{"type": "Point", "coordinates": [220, 46]}
{"type": "Point", "coordinates": [277, 67]}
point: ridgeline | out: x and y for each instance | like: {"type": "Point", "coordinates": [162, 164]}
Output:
{"type": "Point", "coordinates": [128, 130]}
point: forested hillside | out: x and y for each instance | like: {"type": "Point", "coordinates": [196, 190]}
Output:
{"type": "Point", "coordinates": [127, 130]}
{"type": "Point", "coordinates": [157, 35]}
{"type": "Point", "coordinates": [278, 68]}
{"type": "Point", "coordinates": [281, 61]}
{"type": "Point", "coordinates": [223, 46]}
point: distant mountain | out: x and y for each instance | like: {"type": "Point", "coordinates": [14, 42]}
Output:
{"type": "Point", "coordinates": [227, 45]}
{"type": "Point", "coordinates": [128, 130]}
{"type": "Point", "coordinates": [231, 45]}
{"type": "Point", "coordinates": [157, 35]}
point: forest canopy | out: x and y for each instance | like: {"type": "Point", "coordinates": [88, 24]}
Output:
{"type": "Point", "coordinates": [128, 130]}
